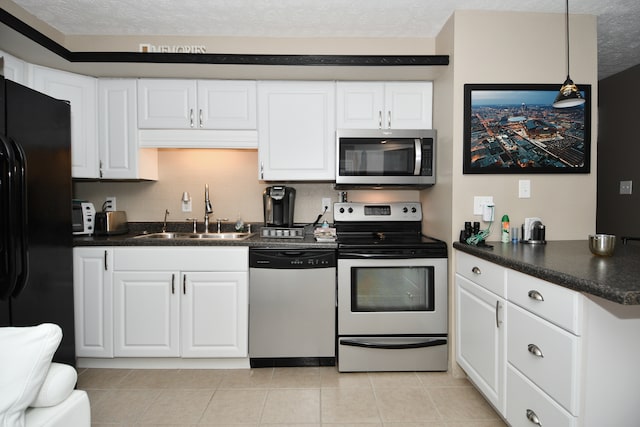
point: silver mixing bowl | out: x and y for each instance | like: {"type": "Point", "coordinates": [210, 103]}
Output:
{"type": "Point", "coordinates": [602, 244]}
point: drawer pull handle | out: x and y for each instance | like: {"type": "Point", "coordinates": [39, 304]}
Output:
{"type": "Point", "coordinates": [531, 416]}
{"type": "Point", "coordinates": [476, 270]}
{"type": "Point", "coordinates": [535, 350]}
{"type": "Point", "coordinates": [533, 294]}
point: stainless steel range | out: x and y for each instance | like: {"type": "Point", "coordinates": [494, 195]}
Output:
{"type": "Point", "coordinates": [392, 290]}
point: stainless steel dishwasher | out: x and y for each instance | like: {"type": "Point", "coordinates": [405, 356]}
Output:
{"type": "Point", "coordinates": [292, 307]}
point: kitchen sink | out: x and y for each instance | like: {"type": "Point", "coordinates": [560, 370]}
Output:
{"type": "Point", "coordinates": [186, 236]}
{"type": "Point", "coordinates": [221, 236]}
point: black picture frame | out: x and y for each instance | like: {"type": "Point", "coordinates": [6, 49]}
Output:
{"type": "Point", "coordinates": [514, 129]}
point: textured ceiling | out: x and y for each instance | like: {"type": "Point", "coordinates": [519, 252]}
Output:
{"type": "Point", "coordinates": [618, 20]}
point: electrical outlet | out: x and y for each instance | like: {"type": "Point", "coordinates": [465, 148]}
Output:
{"type": "Point", "coordinates": [479, 202]}
{"type": "Point", "coordinates": [110, 204]}
{"type": "Point", "coordinates": [626, 187]}
{"type": "Point", "coordinates": [326, 203]}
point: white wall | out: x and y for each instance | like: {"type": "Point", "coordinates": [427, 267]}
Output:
{"type": "Point", "coordinates": [524, 48]}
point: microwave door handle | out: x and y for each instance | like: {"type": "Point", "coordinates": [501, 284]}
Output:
{"type": "Point", "coordinates": [418, 165]}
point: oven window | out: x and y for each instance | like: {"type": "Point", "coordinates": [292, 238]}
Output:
{"type": "Point", "coordinates": [392, 289]}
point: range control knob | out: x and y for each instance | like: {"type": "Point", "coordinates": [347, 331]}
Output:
{"type": "Point", "coordinates": [405, 210]}
{"type": "Point", "coordinates": [413, 209]}
{"type": "Point", "coordinates": [350, 210]}
{"type": "Point", "coordinates": [341, 210]}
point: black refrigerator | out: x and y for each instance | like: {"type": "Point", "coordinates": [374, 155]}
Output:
{"type": "Point", "coordinates": [36, 255]}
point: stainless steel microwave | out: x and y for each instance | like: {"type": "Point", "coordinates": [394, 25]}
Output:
{"type": "Point", "coordinates": [386, 157]}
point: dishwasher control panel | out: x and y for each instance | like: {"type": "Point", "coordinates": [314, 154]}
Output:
{"type": "Point", "coordinates": [292, 259]}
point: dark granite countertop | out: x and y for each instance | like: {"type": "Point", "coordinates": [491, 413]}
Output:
{"type": "Point", "coordinates": [136, 229]}
{"type": "Point", "coordinates": [570, 264]}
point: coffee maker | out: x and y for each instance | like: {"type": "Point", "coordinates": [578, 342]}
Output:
{"type": "Point", "coordinates": [278, 203]}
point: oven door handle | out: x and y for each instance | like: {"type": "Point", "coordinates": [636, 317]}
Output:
{"type": "Point", "coordinates": [359, 255]}
{"type": "Point", "coordinates": [433, 342]}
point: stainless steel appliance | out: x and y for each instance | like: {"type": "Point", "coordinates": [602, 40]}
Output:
{"type": "Point", "coordinates": [83, 216]}
{"type": "Point", "coordinates": [36, 261]}
{"type": "Point", "coordinates": [111, 223]}
{"type": "Point", "coordinates": [292, 303]}
{"type": "Point", "coordinates": [278, 203]}
{"type": "Point", "coordinates": [392, 290]}
{"type": "Point", "coordinates": [385, 157]}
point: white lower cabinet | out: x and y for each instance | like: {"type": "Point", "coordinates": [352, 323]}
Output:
{"type": "Point", "coordinates": [181, 302]}
{"type": "Point", "coordinates": [481, 329]}
{"type": "Point", "coordinates": [530, 406]}
{"type": "Point", "coordinates": [567, 359]}
{"type": "Point", "coordinates": [146, 314]}
{"type": "Point", "coordinates": [141, 302]}
{"type": "Point", "coordinates": [93, 301]}
{"type": "Point", "coordinates": [214, 314]}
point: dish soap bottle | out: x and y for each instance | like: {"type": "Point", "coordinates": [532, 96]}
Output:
{"type": "Point", "coordinates": [504, 234]}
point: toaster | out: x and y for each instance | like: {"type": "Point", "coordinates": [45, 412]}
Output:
{"type": "Point", "coordinates": [112, 222]}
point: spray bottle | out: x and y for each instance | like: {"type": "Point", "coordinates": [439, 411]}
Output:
{"type": "Point", "coordinates": [504, 234]}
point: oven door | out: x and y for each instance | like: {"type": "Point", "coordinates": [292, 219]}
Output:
{"type": "Point", "coordinates": [392, 296]}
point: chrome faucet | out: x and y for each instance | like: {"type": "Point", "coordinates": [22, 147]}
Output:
{"type": "Point", "coordinates": [207, 208]}
{"type": "Point", "coordinates": [164, 224]}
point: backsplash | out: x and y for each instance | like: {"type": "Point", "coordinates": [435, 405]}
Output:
{"type": "Point", "coordinates": [235, 190]}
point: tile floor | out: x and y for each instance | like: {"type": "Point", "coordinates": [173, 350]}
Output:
{"type": "Point", "coordinates": [282, 396]}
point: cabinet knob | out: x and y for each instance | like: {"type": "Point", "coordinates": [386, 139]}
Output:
{"type": "Point", "coordinates": [535, 350]}
{"type": "Point", "coordinates": [533, 294]}
{"type": "Point", "coordinates": [531, 416]}
{"type": "Point", "coordinates": [476, 270]}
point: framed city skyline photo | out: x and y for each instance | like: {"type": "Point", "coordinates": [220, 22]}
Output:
{"type": "Point", "coordinates": [514, 128]}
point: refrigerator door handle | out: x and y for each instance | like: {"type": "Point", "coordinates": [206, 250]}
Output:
{"type": "Point", "coordinates": [8, 274]}
{"type": "Point", "coordinates": [20, 197]}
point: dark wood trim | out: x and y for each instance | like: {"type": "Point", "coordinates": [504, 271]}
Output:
{"type": "Point", "coordinates": [212, 58]}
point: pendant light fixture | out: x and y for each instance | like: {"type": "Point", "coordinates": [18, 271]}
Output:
{"type": "Point", "coordinates": [569, 95]}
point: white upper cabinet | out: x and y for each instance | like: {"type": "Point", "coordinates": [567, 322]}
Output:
{"type": "Point", "coordinates": [167, 104]}
{"type": "Point", "coordinates": [120, 157]}
{"type": "Point", "coordinates": [81, 92]}
{"type": "Point", "coordinates": [196, 104]}
{"type": "Point", "coordinates": [384, 105]}
{"type": "Point", "coordinates": [227, 104]}
{"type": "Point", "coordinates": [14, 69]}
{"type": "Point", "coordinates": [296, 130]}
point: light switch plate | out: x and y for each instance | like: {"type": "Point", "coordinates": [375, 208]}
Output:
{"type": "Point", "coordinates": [524, 188]}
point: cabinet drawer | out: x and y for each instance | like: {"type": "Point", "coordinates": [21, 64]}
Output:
{"type": "Point", "coordinates": [558, 305]}
{"type": "Point", "coordinates": [526, 402]}
{"type": "Point", "coordinates": [546, 354]}
{"type": "Point", "coordinates": [486, 274]}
